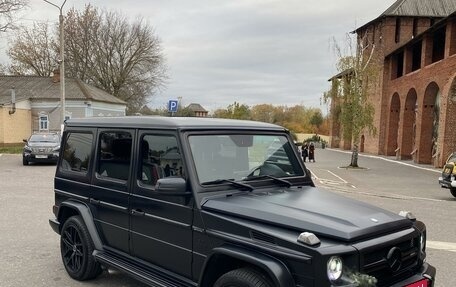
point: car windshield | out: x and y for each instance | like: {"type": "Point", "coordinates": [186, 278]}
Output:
{"type": "Point", "coordinates": [46, 138]}
{"type": "Point", "coordinates": [239, 157]}
{"type": "Point", "coordinates": [451, 158]}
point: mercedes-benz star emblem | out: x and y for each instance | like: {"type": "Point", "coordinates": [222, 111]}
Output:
{"type": "Point", "coordinates": [394, 259]}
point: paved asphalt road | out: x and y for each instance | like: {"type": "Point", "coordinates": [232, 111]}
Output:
{"type": "Point", "coordinates": [29, 249]}
{"type": "Point", "coordinates": [397, 186]}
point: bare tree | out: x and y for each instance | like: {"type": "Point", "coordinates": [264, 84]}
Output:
{"type": "Point", "coordinates": [81, 30]}
{"type": "Point", "coordinates": [128, 60]}
{"type": "Point", "coordinates": [350, 91]}
{"type": "Point", "coordinates": [3, 69]}
{"type": "Point", "coordinates": [7, 10]}
{"type": "Point", "coordinates": [34, 51]}
{"type": "Point", "coordinates": [101, 48]}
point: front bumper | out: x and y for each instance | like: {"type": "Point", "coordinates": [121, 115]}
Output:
{"type": "Point", "coordinates": [55, 225]}
{"type": "Point", "coordinates": [427, 272]}
{"type": "Point", "coordinates": [445, 183]}
{"type": "Point", "coordinates": [30, 157]}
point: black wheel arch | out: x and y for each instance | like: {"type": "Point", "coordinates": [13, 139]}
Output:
{"type": "Point", "coordinates": [72, 208]}
{"type": "Point", "coordinates": [453, 191]}
{"type": "Point", "coordinates": [226, 258]}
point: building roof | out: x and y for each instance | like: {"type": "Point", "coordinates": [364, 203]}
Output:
{"type": "Point", "coordinates": [196, 108]}
{"type": "Point", "coordinates": [417, 8]}
{"type": "Point", "coordinates": [342, 74]}
{"type": "Point", "coordinates": [423, 8]}
{"type": "Point", "coordinates": [44, 88]}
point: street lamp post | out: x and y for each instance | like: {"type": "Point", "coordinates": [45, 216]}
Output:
{"type": "Point", "coordinates": [62, 60]}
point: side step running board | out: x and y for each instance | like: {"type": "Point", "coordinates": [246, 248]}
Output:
{"type": "Point", "coordinates": [151, 278]}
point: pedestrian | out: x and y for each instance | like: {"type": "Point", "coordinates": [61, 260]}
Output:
{"type": "Point", "coordinates": [304, 152]}
{"type": "Point", "coordinates": [311, 152]}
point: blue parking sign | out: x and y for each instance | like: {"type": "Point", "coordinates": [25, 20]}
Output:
{"type": "Point", "coordinates": [172, 106]}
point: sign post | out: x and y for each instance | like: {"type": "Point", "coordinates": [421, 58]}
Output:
{"type": "Point", "coordinates": [172, 106]}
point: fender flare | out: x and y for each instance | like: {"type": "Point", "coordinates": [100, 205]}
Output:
{"type": "Point", "coordinates": [277, 270]}
{"type": "Point", "coordinates": [86, 214]}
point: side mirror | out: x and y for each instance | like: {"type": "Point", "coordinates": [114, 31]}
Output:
{"type": "Point", "coordinates": [172, 186]}
{"type": "Point", "coordinates": [24, 140]}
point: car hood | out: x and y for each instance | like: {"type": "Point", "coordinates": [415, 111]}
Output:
{"type": "Point", "coordinates": [310, 209]}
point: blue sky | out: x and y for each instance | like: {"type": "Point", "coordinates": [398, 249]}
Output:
{"type": "Point", "coordinates": [249, 51]}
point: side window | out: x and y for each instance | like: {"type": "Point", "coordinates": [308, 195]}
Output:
{"type": "Point", "coordinates": [76, 152]}
{"type": "Point", "coordinates": [114, 155]}
{"type": "Point", "coordinates": [160, 158]}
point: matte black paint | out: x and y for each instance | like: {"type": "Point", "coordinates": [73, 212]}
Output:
{"type": "Point", "coordinates": [309, 209]}
{"type": "Point", "coordinates": [190, 238]}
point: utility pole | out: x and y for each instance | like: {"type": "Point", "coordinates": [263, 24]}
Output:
{"type": "Point", "coordinates": [62, 61]}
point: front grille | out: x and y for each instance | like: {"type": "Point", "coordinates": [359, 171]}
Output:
{"type": "Point", "coordinates": [41, 150]}
{"type": "Point", "coordinates": [388, 266]}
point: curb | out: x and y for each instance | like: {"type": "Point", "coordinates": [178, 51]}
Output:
{"type": "Point", "coordinates": [389, 160]}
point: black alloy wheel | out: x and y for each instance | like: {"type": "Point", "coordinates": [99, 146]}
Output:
{"type": "Point", "coordinates": [76, 248]}
{"type": "Point", "coordinates": [243, 277]}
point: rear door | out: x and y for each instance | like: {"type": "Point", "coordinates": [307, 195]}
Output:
{"type": "Point", "coordinates": [110, 190]}
{"type": "Point", "coordinates": [161, 225]}
{"type": "Point", "coordinates": [72, 178]}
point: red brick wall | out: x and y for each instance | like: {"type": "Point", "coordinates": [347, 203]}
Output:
{"type": "Point", "coordinates": [402, 132]}
{"type": "Point", "coordinates": [443, 74]}
{"type": "Point", "coordinates": [448, 129]}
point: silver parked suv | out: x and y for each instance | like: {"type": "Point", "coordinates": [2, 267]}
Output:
{"type": "Point", "coordinates": [42, 147]}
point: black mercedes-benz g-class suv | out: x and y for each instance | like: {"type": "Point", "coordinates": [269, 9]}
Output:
{"type": "Point", "coordinates": [212, 202]}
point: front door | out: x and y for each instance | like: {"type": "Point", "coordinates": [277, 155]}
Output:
{"type": "Point", "coordinates": [160, 224]}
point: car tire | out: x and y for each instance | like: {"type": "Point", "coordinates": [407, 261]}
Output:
{"type": "Point", "coordinates": [243, 277]}
{"type": "Point", "coordinates": [24, 161]}
{"type": "Point", "coordinates": [453, 191]}
{"type": "Point", "coordinates": [76, 248]}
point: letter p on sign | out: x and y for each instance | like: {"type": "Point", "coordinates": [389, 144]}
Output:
{"type": "Point", "coordinates": [172, 106]}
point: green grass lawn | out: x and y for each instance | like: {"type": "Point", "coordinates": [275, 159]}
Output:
{"type": "Point", "coordinates": [12, 149]}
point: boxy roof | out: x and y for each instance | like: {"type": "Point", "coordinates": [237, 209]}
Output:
{"type": "Point", "coordinates": [159, 122]}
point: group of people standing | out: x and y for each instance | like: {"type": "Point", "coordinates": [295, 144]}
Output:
{"type": "Point", "coordinates": [308, 150]}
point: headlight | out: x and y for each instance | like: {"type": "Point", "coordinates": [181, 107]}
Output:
{"type": "Point", "coordinates": [27, 148]}
{"type": "Point", "coordinates": [57, 148]}
{"type": "Point", "coordinates": [334, 268]}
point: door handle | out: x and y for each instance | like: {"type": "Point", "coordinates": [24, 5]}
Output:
{"type": "Point", "coordinates": [137, 212]}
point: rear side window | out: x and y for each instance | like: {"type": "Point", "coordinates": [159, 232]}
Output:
{"type": "Point", "coordinates": [76, 153]}
{"type": "Point", "coordinates": [114, 155]}
{"type": "Point", "coordinates": [161, 158]}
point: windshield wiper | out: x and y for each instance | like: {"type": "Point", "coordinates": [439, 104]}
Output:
{"type": "Point", "coordinates": [276, 179]}
{"type": "Point", "coordinates": [232, 182]}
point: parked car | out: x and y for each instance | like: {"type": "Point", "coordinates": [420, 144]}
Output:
{"type": "Point", "coordinates": [448, 178]}
{"type": "Point", "coordinates": [223, 203]}
{"type": "Point", "coordinates": [41, 147]}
